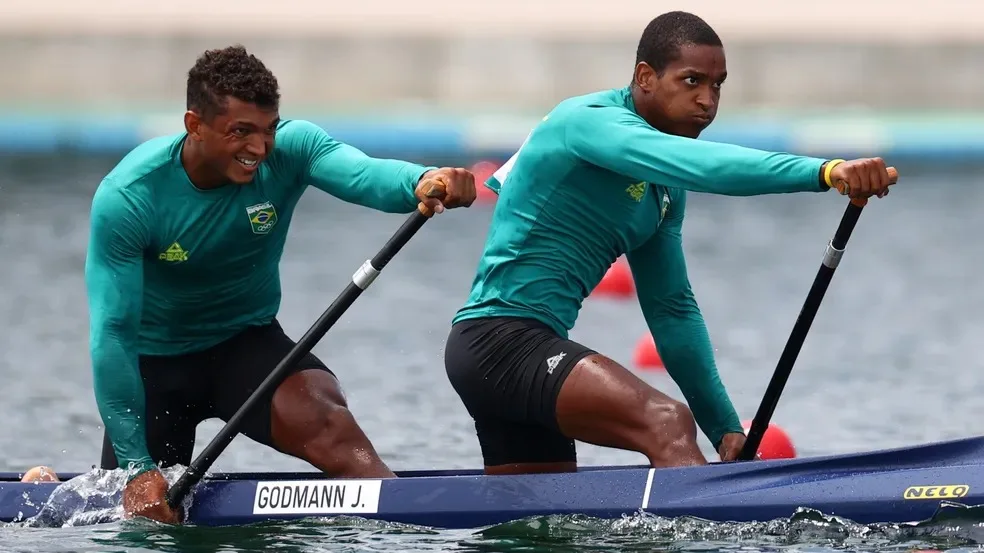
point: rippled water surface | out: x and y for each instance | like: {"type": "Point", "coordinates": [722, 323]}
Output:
{"type": "Point", "coordinates": [890, 360]}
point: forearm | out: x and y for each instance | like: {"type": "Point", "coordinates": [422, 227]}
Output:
{"type": "Point", "coordinates": [685, 348]}
{"type": "Point", "coordinates": [120, 399]}
{"type": "Point", "coordinates": [386, 185]}
{"type": "Point", "coordinates": [389, 185]}
{"type": "Point", "coordinates": [623, 143]}
{"type": "Point", "coordinates": [715, 168]}
{"type": "Point", "coordinates": [677, 325]}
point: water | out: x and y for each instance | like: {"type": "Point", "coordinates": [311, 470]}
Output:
{"type": "Point", "coordinates": [890, 360]}
{"type": "Point", "coordinates": [808, 533]}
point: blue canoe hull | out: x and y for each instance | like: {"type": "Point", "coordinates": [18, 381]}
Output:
{"type": "Point", "coordinates": [897, 485]}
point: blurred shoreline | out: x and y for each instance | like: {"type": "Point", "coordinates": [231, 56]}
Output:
{"type": "Point", "coordinates": [475, 73]}
{"type": "Point", "coordinates": [912, 137]}
{"type": "Point", "coordinates": [845, 77]}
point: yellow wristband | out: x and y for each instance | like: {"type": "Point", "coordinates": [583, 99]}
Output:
{"type": "Point", "coordinates": [830, 167]}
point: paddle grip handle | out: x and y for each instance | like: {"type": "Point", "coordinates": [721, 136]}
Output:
{"type": "Point", "coordinates": [893, 177]}
{"type": "Point", "coordinates": [434, 188]}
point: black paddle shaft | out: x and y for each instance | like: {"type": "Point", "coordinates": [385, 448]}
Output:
{"type": "Point", "coordinates": [831, 257]}
{"type": "Point", "coordinates": [360, 281]}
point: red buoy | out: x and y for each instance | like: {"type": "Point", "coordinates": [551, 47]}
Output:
{"type": "Point", "coordinates": [776, 443]}
{"type": "Point", "coordinates": [646, 356]}
{"type": "Point", "coordinates": [617, 282]}
{"type": "Point", "coordinates": [482, 171]}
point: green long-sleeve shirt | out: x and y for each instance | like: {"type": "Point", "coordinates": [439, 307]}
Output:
{"type": "Point", "coordinates": [594, 181]}
{"type": "Point", "coordinates": [173, 269]}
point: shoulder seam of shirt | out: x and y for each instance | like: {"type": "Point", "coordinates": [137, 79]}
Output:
{"type": "Point", "coordinates": [123, 188]}
{"type": "Point", "coordinates": [126, 183]}
{"type": "Point", "coordinates": [125, 193]}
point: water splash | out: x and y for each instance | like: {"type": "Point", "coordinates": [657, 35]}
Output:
{"type": "Point", "coordinates": [94, 497]}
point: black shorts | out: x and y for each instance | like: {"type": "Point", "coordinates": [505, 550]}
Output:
{"type": "Point", "coordinates": [508, 372]}
{"type": "Point", "coordinates": [184, 390]}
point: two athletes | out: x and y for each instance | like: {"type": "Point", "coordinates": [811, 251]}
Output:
{"type": "Point", "coordinates": [188, 230]}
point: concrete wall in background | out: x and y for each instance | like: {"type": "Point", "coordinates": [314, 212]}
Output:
{"type": "Point", "coordinates": [484, 55]}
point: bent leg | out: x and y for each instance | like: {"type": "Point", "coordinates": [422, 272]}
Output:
{"type": "Point", "coordinates": [311, 420]}
{"type": "Point", "coordinates": [517, 448]}
{"type": "Point", "coordinates": [306, 416]}
{"type": "Point", "coordinates": [603, 403]}
{"type": "Point", "coordinates": [507, 372]}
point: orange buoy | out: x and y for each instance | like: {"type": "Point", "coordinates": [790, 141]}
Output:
{"type": "Point", "coordinates": [616, 283]}
{"type": "Point", "coordinates": [776, 443]}
{"type": "Point", "coordinates": [40, 474]}
{"type": "Point", "coordinates": [646, 356]}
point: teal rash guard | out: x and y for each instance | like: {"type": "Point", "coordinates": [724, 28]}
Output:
{"type": "Point", "coordinates": [173, 269]}
{"type": "Point", "coordinates": [594, 181]}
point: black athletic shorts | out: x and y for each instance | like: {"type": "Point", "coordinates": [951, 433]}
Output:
{"type": "Point", "coordinates": [508, 372]}
{"type": "Point", "coordinates": [184, 390]}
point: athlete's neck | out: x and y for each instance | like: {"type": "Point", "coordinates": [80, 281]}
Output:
{"type": "Point", "coordinates": [200, 174]}
{"type": "Point", "coordinates": [639, 105]}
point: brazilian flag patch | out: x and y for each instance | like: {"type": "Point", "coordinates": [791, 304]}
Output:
{"type": "Point", "coordinates": [262, 217]}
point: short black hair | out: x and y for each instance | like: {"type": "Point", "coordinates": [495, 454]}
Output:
{"type": "Point", "coordinates": [666, 34]}
{"type": "Point", "coordinates": [231, 71]}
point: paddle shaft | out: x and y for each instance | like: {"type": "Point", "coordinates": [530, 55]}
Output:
{"type": "Point", "coordinates": [831, 258]}
{"type": "Point", "coordinates": [361, 280]}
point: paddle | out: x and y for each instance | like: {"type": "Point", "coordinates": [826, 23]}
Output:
{"type": "Point", "coordinates": [831, 257]}
{"type": "Point", "coordinates": [361, 280]}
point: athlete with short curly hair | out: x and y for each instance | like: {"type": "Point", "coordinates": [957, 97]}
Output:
{"type": "Point", "coordinates": [186, 236]}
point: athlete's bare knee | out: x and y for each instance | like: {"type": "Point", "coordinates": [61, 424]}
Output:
{"type": "Point", "coordinates": [302, 404]}
{"type": "Point", "coordinates": [314, 421]}
{"type": "Point", "coordinates": [345, 448]}
{"type": "Point", "coordinates": [672, 433]}
{"type": "Point", "coordinates": [311, 421]}
{"type": "Point", "coordinates": [336, 426]}
{"type": "Point", "coordinates": [669, 417]}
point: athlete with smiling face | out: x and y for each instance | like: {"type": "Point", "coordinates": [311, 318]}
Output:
{"type": "Point", "coordinates": [187, 232]}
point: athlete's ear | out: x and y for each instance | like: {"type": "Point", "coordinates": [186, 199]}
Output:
{"type": "Point", "coordinates": [644, 76]}
{"type": "Point", "coordinates": [193, 124]}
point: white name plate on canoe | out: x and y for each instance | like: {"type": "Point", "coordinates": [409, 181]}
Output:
{"type": "Point", "coordinates": [316, 497]}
